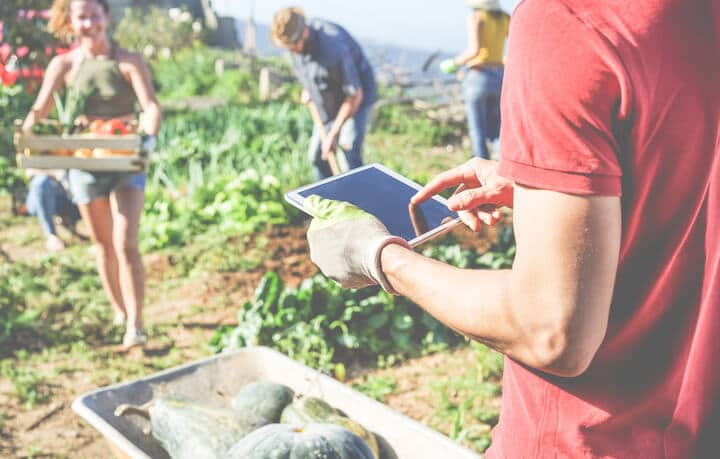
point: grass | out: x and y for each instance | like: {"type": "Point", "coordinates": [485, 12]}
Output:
{"type": "Point", "coordinates": [30, 387]}
{"type": "Point", "coordinates": [467, 403]}
{"type": "Point", "coordinates": [377, 387]}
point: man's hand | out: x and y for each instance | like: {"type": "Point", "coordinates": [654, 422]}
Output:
{"type": "Point", "coordinates": [448, 66]}
{"type": "Point", "coordinates": [329, 144]}
{"type": "Point", "coordinates": [480, 194]}
{"type": "Point", "coordinates": [346, 243]}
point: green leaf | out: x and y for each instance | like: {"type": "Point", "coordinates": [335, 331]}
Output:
{"type": "Point", "coordinates": [402, 321]}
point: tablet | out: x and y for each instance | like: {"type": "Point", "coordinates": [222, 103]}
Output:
{"type": "Point", "coordinates": [386, 195]}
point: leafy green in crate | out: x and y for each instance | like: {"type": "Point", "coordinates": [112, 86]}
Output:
{"type": "Point", "coordinates": [71, 108]}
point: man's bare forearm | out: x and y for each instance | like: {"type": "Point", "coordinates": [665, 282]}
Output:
{"type": "Point", "coordinates": [346, 111]}
{"type": "Point", "coordinates": [475, 303]}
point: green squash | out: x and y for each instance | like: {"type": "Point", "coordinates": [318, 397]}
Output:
{"type": "Point", "coordinates": [263, 399]}
{"type": "Point", "coordinates": [306, 410]}
{"type": "Point", "coordinates": [282, 441]}
{"type": "Point", "coordinates": [189, 429]}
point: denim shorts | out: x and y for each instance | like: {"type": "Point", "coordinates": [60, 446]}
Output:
{"type": "Point", "coordinates": [86, 186]}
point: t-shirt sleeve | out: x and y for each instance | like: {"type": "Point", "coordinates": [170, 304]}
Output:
{"type": "Point", "coordinates": [559, 103]}
{"type": "Point", "coordinates": [351, 78]}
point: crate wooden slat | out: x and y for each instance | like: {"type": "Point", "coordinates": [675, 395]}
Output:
{"type": "Point", "coordinates": [32, 151]}
{"type": "Point", "coordinates": [41, 143]}
{"type": "Point", "coordinates": [111, 164]}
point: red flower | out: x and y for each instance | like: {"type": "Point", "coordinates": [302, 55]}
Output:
{"type": "Point", "coordinates": [8, 78]}
{"type": "Point", "coordinates": [5, 51]}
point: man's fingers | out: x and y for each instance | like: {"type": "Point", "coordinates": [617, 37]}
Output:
{"type": "Point", "coordinates": [490, 218]}
{"type": "Point", "coordinates": [471, 220]}
{"type": "Point", "coordinates": [474, 219]}
{"type": "Point", "coordinates": [456, 176]}
{"type": "Point", "coordinates": [472, 198]}
{"type": "Point", "coordinates": [318, 207]}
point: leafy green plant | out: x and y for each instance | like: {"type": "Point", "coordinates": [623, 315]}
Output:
{"type": "Point", "coordinates": [322, 324]}
{"type": "Point", "coordinates": [377, 387]}
{"type": "Point", "coordinates": [159, 32]}
{"type": "Point", "coordinates": [15, 317]}
{"type": "Point", "coordinates": [69, 109]}
{"type": "Point", "coordinates": [403, 119]}
{"type": "Point", "coordinates": [36, 296]}
{"type": "Point", "coordinates": [228, 205]}
{"type": "Point", "coordinates": [500, 255]}
{"type": "Point", "coordinates": [15, 103]}
{"type": "Point", "coordinates": [466, 405]}
{"type": "Point", "coordinates": [30, 387]}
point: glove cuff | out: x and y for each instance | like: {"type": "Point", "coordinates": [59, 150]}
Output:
{"type": "Point", "coordinates": [148, 144]}
{"type": "Point", "coordinates": [378, 273]}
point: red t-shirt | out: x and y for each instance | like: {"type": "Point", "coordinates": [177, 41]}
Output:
{"type": "Point", "coordinates": [622, 98]}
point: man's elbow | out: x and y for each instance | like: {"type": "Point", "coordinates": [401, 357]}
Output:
{"type": "Point", "coordinates": [563, 353]}
{"type": "Point", "coordinates": [357, 98]}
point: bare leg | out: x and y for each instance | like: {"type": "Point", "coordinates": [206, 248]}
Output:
{"type": "Point", "coordinates": [98, 218]}
{"type": "Point", "coordinates": [127, 205]}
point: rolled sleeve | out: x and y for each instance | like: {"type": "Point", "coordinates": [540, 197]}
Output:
{"type": "Point", "coordinates": [559, 104]}
{"type": "Point", "coordinates": [351, 81]}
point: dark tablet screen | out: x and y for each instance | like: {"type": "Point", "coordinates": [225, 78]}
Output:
{"type": "Point", "coordinates": [387, 198]}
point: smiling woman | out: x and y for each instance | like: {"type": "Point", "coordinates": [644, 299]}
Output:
{"type": "Point", "coordinates": [117, 83]}
{"type": "Point", "coordinates": [61, 24]}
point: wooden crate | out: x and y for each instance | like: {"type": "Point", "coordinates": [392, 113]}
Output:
{"type": "Point", "coordinates": [34, 151]}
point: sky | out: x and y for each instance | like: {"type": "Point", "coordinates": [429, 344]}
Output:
{"type": "Point", "coordinates": [419, 24]}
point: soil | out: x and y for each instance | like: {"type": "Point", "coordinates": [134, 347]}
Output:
{"type": "Point", "coordinates": [189, 315]}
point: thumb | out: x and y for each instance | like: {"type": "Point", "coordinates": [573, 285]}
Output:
{"type": "Point", "coordinates": [329, 209]}
{"type": "Point", "coordinates": [319, 207]}
{"type": "Point", "coordinates": [472, 198]}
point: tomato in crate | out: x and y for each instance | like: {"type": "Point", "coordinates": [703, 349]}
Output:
{"type": "Point", "coordinates": [114, 127]}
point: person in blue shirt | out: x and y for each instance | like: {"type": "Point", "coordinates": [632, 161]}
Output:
{"type": "Point", "coordinates": [47, 199]}
{"type": "Point", "coordinates": [338, 86]}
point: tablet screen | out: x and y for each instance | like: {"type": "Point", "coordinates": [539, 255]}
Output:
{"type": "Point", "coordinates": [386, 197]}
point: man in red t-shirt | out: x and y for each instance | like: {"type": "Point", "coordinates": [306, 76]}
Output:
{"type": "Point", "coordinates": [610, 315]}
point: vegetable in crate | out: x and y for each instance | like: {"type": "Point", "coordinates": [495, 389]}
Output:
{"type": "Point", "coordinates": [69, 110]}
{"type": "Point", "coordinates": [45, 129]}
{"type": "Point", "coordinates": [306, 410]}
{"type": "Point", "coordinates": [281, 441]}
{"type": "Point", "coordinates": [189, 429]}
{"type": "Point", "coordinates": [113, 126]}
{"type": "Point", "coordinates": [263, 399]}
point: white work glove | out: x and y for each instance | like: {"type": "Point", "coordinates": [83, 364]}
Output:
{"type": "Point", "coordinates": [148, 144]}
{"type": "Point", "coordinates": [346, 243]}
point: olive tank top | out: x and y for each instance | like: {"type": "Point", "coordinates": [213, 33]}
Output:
{"type": "Point", "coordinates": [111, 94]}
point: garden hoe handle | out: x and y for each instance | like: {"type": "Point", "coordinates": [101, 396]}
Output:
{"type": "Point", "coordinates": [332, 157]}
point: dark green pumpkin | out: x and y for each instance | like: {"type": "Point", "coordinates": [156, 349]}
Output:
{"type": "Point", "coordinates": [282, 441]}
{"type": "Point", "coordinates": [263, 399]}
{"type": "Point", "coordinates": [306, 410]}
{"type": "Point", "coordinates": [189, 429]}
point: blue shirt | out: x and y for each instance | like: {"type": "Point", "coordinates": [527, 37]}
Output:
{"type": "Point", "coordinates": [331, 67]}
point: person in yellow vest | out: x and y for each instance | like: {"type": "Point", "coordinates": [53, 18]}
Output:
{"type": "Point", "coordinates": [487, 31]}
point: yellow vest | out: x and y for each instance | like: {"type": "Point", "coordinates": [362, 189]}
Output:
{"type": "Point", "coordinates": [494, 31]}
